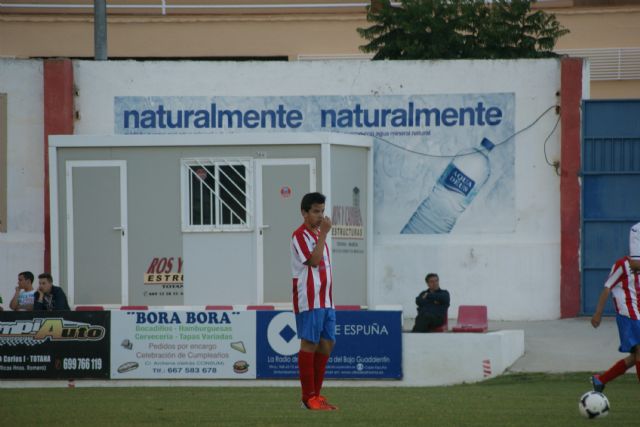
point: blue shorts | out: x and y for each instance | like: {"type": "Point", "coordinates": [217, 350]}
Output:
{"type": "Point", "coordinates": [629, 331]}
{"type": "Point", "coordinates": [317, 323]}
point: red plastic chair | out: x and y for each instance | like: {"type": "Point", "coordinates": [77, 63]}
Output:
{"type": "Point", "coordinates": [89, 308]}
{"type": "Point", "coordinates": [445, 326]}
{"type": "Point", "coordinates": [472, 318]}
{"type": "Point", "coordinates": [260, 307]}
{"type": "Point", "coordinates": [219, 307]}
{"type": "Point", "coordinates": [134, 307]}
{"type": "Point", "coordinates": [348, 307]}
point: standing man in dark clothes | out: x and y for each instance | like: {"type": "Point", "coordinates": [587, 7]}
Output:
{"type": "Point", "coordinates": [432, 305]}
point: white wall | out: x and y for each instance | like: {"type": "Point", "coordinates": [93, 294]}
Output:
{"type": "Point", "coordinates": [445, 359]}
{"type": "Point", "coordinates": [22, 247]}
{"type": "Point", "coordinates": [517, 274]}
{"type": "Point", "coordinates": [428, 360]}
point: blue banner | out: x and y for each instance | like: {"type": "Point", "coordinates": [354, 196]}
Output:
{"type": "Point", "coordinates": [420, 142]}
{"type": "Point", "coordinates": [368, 345]}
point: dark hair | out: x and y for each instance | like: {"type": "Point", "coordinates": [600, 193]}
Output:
{"type": "Point", "coordinates": [46, 276]}
{"type": "Point", "coordinates": [27, 275]}
{"type": "Point", "coordinates": [311, 199]}
{"type": "Point", "coordinates": [429, 276]}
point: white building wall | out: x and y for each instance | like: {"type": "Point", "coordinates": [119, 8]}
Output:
{"type": "Point", "coordinates": [22, 246]}
{"type": "Point", "coordinates": [516, 274]}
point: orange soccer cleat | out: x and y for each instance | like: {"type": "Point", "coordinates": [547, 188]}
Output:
{"type": "Point", "coordinates": [316, 403]}
{"type": "Point", "coordinates": [326, 402]}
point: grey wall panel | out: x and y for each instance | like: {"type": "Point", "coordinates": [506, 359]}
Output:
{"type": "Point", "coordinates": [282, 216]}
{"type": "Point", "coordinates": [155, 238]}
{"type": "Point", "coordinates": [97, 254]}
{"type": "Point", "coordinates": [65, 155]}
{"type": "Point", "coordinates": [221, 268]}
{"type": "Point", "coordinates": [349, 216]}
{"type": "Point", "coordinates": [155, 235]}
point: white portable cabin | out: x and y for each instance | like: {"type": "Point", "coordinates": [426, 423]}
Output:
{"type": "Point", "coordinates": [168, 220]}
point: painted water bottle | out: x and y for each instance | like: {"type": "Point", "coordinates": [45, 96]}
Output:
{"type": "Point", "coordinates": [454, 191]}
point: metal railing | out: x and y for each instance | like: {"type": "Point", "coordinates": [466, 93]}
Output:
{"type": "Point", "coordinates": [223, 197]}
{"type": "Point", "coordinates": [165, 6]}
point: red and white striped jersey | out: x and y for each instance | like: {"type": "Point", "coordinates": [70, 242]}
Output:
{"type": "Point", "coordinates": [312, 286]}
{"type": "Point", "coordinates": [625, 287]}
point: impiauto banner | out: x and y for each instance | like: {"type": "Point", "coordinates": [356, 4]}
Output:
{"type": "Point", "coordinates": [183, 344]}
{"type": "Point", "coordinates": [54, 344]}
{"type": "Point", "coordinates": [368, 345]}
{"type": "Point", "coordinates": [443, 163]}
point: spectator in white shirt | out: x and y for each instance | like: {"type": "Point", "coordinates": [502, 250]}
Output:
{"type": "Point", "coordinates": [24, 297]}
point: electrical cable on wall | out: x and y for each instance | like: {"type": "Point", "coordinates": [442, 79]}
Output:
{"type": "Point", "coordinates": [472, 151]}
{"type": "Point", "coordinates": [556, 164]}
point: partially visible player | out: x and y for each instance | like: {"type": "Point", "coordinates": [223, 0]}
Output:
{"type": "Point", "coordinates": [624, 284]}
{"type": "Point", "coordinates": [313, 300]}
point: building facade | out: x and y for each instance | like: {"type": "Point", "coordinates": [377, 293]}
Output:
{"type": "Point", "coordinates": [604, 31]}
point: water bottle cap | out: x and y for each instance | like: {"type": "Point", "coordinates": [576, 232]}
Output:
{"type": "Point", "coordinates": [487, 144]}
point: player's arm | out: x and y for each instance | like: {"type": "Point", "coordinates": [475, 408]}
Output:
{"type": "Point", "coordinates": [317, 253]}
{"type": "Point", "coordinates": [421, 299]}
{"type": "Point", "coordinates": [597, 316]}
{"type": "Point", "coordinates": [615, 276]}
{"type": "Point", "coordinates": [441, 298]}
{"type": "Point", "coordinates": [13, 304]}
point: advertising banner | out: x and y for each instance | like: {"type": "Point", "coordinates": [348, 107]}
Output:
{"type": "Point", "coordinates": [183, 344]}
{"type": "Point", "coordinates": [368, 345]}
{"type": "Point", "coordinates": [54, 344]}
{"type": "Point", "coordinates": [164, 277]}
{"type": "Point", "coordinates": [443, 163]}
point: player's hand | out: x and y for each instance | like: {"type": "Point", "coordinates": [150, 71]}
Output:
{"type": "Point", "coordinates": [595, 320]}
{"type": "Point", "coordinates": [325, 225]}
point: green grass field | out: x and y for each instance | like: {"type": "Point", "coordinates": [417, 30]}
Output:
{"type": "Point", "coordinates": [510, 400]}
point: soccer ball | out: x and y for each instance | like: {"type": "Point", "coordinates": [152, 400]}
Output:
{"type": "Point", "coordinates": [593, 405]}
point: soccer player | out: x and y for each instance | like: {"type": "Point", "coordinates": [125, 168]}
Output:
{"type": "Point", "coordinates": [623, 283]}
{"type": "Point", "coordinates": [313, 300]}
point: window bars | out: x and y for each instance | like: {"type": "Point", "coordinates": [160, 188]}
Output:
{"type": "Point", "coordinates": [219, 194]}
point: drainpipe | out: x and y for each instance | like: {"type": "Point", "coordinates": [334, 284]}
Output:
{"type": "Point", "coordinates": [100, 29]}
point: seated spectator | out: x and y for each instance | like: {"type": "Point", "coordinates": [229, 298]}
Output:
{"type": "Point", "coordinates": [49, 297]}
{"type": "Point", "coordinates": [432, 305]}
{"type": "Point", "coordinates": [25, 294]}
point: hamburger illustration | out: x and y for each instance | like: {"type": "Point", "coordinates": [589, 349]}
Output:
{"type": "Point", "coordinates": [240, 367]}
{"type": "Point", "coordinates": [127, 366]}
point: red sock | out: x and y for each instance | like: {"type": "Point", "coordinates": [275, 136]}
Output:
{"type": "Point", "coordinates": [619, 368]}
{"type": "Point", "coordinates": [638, 370]}
{"type": "Point", "coordinates": [319, 365]}
{"type": "Point", "coordinates": [305, 366]}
